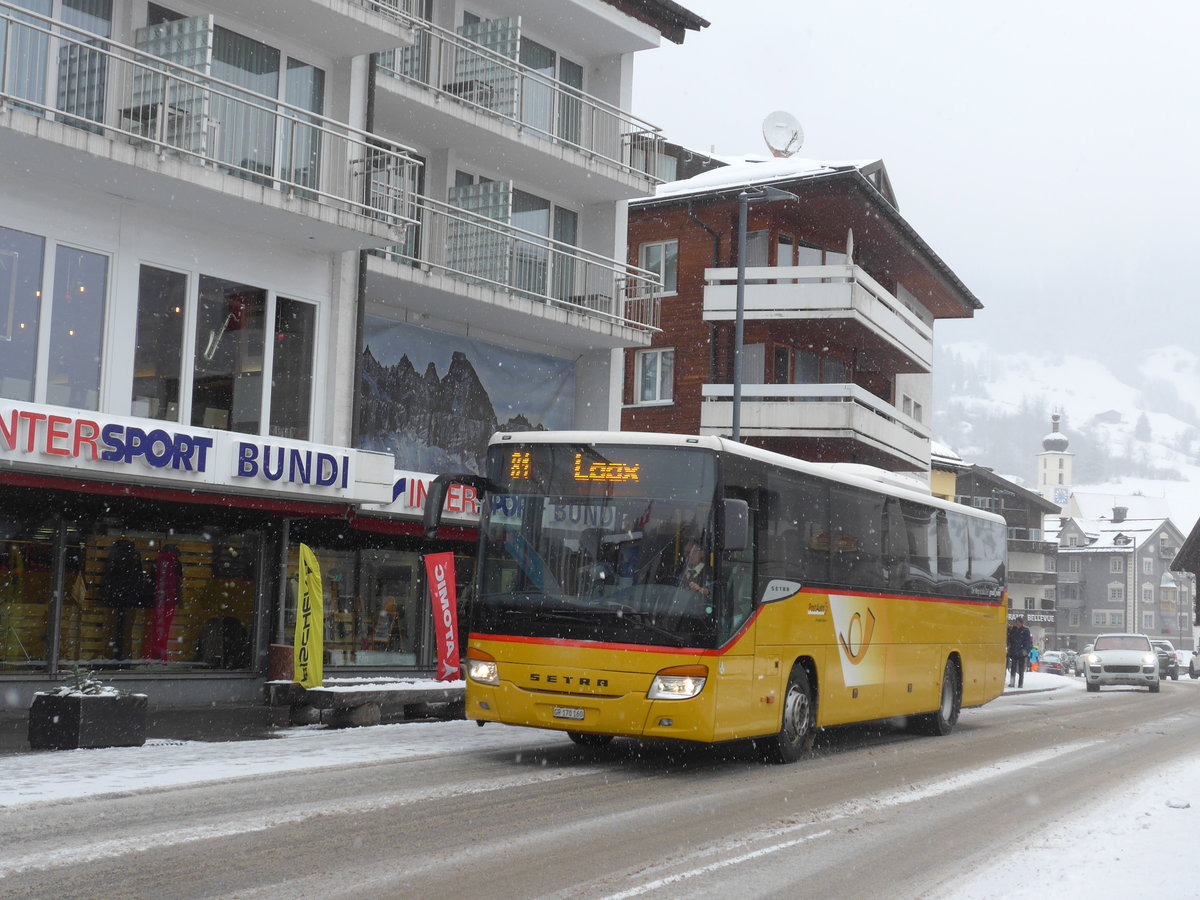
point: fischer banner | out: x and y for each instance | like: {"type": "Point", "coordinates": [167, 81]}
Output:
{"type": "Point", "coordinates": [439, 568]}
{"type": "Point", "coordinates": [310, 621]}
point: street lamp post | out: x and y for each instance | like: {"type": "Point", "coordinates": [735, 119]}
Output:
{"type": "Point", "coordinates": [761, 194]}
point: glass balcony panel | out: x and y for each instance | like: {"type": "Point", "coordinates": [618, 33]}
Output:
{"type": "Point", "coordinates": [488, 65]}
{"type": "Point", "coordinates": [478, 246]}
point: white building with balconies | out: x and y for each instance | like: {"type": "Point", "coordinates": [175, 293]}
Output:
{"type": "Point", "coordinates": [262, 267]}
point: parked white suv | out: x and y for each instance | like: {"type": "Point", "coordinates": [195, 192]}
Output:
{"type": "Point", "coordinates": [1122, 659]}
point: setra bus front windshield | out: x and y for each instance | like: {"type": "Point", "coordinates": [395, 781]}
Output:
{"type": "Point", "coordinates": [608, 543]}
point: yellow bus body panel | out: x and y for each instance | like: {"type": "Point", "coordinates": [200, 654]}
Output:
{"type": "Point", "coordinates": [871, 656]}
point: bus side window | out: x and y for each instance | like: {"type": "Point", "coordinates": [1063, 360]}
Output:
{"type": "Point", "coordinates": [856, 532]}
{"type": "Point", "coordinates": [895, 545]}
{"type": "Point", "coordinates": [799, 517]}
{"type": "Point", "coordinates": [919, 522]}
{"type": "Point", "coordinates": [953, 557]}
{"type": "Point", "coordinates": [988, 544]}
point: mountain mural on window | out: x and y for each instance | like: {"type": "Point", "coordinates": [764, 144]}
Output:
{"type": "Point", "coordinates": [433, 399]}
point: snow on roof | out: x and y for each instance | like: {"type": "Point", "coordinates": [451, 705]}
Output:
{"type": "Point", "coordinates": [754, 170]}
{"type": "Point", "coordinates": [940, 453]}
{"type": "Point", "coordinates": [1137, 506]}
{"type": "Point", "coordinates": [1104, 535]}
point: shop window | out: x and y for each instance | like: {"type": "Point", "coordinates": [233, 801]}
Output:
{"type": "Point", "coordinates": [155, 600]}
{"type": "Point", "coordinates": [292, 368]}
{"type": "Point", "coordinates": [158, 351]}
{"type": "Point", "coordinates": [26, 581]}
{"type": "Point", "coordinates": [76, 328]}
{"type": "Point", "coordinates": [227, 387]}
{"type": "Point", "coordinates": [147, 587]}
{"type": "Point", "coordinates": [375, 609]}
{"type": "Point", "coordinates": [20, 310]}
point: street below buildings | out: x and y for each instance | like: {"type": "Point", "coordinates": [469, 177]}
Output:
{"type": "Point", "coordinates": [451, 810]}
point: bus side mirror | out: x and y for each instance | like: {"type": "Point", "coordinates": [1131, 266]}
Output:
{"type": "Point", "coordinates": [737, 524]}
{"type": "Point", "coordinates": [435, 497]}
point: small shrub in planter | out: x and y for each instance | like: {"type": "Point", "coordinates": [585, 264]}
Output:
{"type": "Point", "coordinates": [86, 713]}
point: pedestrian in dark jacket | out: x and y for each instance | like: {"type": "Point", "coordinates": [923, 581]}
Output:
{"type": "Point", "coordinates": [1020, 642]}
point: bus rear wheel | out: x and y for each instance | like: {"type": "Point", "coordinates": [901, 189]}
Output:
{"type": "Point", "coordinates": [797, 729]}
{"type": "Point", "coordinates": [591, 741]}
{"type": "Point", "coordinates": [943, 720]}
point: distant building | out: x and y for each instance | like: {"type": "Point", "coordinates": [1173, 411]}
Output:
{"type": "Point", "coordinates": [1116, 570]}
{"type": "Point", "coordinates": [1116, 558]}
{"type": "Point", "coordinates": [1055, 466]}
{"type": "Point", "coordinates": [1188, 560]}
{"type": "Point", "coordinates": [1031, 557]}
{"type": "Point", "coordinates": [944, 466]}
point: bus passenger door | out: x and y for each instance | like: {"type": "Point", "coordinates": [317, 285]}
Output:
{"type": "Point", "coordinates": [736, 639]}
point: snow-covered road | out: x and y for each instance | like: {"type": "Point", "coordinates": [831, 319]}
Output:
{"type": "Point", "coordinates": [1139, 834]}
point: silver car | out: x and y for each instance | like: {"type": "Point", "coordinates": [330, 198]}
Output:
{"type": "Point", "coordinates": [1121, 659]}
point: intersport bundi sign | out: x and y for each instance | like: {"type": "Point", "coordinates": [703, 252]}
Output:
{"type": "Point", "coordinates": [51, 438]}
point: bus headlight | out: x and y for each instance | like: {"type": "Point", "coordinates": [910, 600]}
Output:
{"type": "Point", "coordinates": [482, 670]}
{"type": "Point", "coordinates": [678, 683]}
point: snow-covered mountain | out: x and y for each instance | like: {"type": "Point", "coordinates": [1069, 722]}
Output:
{"type": "Point", "coordinates": [1131, 434]}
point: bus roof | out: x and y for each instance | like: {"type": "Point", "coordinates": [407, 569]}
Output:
{"type": "Point", "coordinates": [869, 477]}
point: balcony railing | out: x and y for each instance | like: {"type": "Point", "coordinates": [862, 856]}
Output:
{"type": "Point", "coordinates": [400, 10]}
{"type": "Point", "coordinates": [820, 292]}
{"type": "Point", "coordinates": [478, 250]}
{"type": "Point", "coordinates": [476, 76]}
{"type": "Point", "coordinates": [111, 89]}
{"type": "Point", "coordinates": [817, 411]}
{"type": "Point", "coordinates": [819, 393]}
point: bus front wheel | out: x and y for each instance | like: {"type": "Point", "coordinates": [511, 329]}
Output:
{"type": "Point", "coordinates": [945, 717]}
{"type": "Point", "coordinates": [797, 728]}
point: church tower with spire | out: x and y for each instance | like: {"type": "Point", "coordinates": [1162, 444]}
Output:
{"type": "Point", "coordinates": [1054, 473]}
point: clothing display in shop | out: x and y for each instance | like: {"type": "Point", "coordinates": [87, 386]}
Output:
{"type": "Point", "coordinates": [12, 582]}
{"type": "Point", "coordinates": [168, 587]}
{"type": "Point", "coordinates": [125, 586]}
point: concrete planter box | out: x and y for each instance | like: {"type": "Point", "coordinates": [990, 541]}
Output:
{"type": "Point", "coordinates": [87, 721]}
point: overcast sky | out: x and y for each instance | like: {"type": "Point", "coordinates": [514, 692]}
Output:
{"type": "Point", "coordinates": [1047, 150]}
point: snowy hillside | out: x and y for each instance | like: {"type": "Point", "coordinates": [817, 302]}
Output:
{"type": "Point", "coordinates": [1139, 434]}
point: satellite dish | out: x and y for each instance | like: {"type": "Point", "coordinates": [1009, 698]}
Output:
{"type": "Point", "coordinates": [783, 134]}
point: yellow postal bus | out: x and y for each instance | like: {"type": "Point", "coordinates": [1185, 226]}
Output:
{"type": "Point", "coordinates": [665, 586]}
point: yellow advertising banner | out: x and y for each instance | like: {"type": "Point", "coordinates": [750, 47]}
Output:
{"type": "Point", "coordinates": [310, 621]}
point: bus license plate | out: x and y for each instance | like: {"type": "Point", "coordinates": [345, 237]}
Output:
{"type": "Point", "coordinates": [568, 712]}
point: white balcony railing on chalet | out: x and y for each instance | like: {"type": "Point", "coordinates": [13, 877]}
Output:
{"type": "Point", "coordinates": [477, 250]}
{"type": "Point", "coordinates": [819, 292]}
{"type": "Point", "coordinates": [110, 89]}
{"type": "Point", "coordinates": [816, 393]}
{"type": "Point", "coordinates": [476, 76]}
